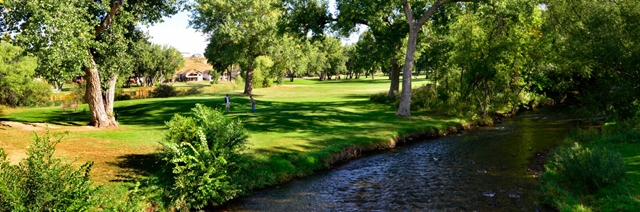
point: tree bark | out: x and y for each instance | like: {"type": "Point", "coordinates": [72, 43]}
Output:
{"type": "Point", "coordinates": [405, 100]}
{"type": "Point", "coordinates": [414, 27]}
{"type": "Point", "coordinates": [109, 96]}
{"type": "Point", "coordinates": [394, 75]}
{"type": "Point", "coordinates": [93, 95]}
{"type": "Point", "coordinates": [248, 81]}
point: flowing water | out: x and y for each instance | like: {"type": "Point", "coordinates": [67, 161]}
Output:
{"type": "Point", "coordinates": [485, 169]}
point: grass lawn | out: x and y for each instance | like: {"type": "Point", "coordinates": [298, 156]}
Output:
{"type": "Point", "coordinates": [296, 126]}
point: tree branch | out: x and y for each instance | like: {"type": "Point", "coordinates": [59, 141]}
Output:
{"type": "Point", "coordinates": [430, 11]}
{"type": "Point", "coordinates": [106, 22]}
{"type": "Point", "coordinates": [408, 12]}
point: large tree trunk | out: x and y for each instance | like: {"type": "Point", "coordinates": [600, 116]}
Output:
{"type": "Point", "coordinates": [248, 81]}
{"type": "Point", "coordinates": [99, 116]}
{"type": "Point", "coordinates": [405, 100]}
{"type": "Point", "coordinates": [414, 27]}
{"type": "Point", "coordinates": [394, 75]}
{"type": "Point", "coordinates": [109, 96]}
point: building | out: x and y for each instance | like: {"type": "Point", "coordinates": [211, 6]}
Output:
{"type": "Point", "coordinates": [189, 75]}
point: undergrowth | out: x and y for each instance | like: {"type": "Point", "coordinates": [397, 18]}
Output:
{"type": "Point", "coordinates": [588, 172]}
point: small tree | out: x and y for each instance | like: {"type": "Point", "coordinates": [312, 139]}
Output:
{"type": "Point", "coordinates": [17, 86]}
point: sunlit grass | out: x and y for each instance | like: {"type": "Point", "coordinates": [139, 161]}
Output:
{"type": "Point", "coordinates": [296, 126]}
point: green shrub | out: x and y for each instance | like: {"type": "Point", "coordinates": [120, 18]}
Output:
{"type": "Point", "coordinates": [77, 92]}
{"type": "Point", "coordinates": [239, 81]}
{"type": "Point", "coordinates": [164, 91]}
{"type": "Point", "coordinates": [421, 97]}
{"type": "Point", "coordinates": [215, 77]}
{"type": "Point", "coordinates": [43, 183]}
{"type": "Point", "coordinates": [587, 168]}
{"type": "Point", "coordinates": [380, 98]}
{"type": "Point", "coordinates": [190, 91]}
{"type": "Point", "coordinates": [202, 153]}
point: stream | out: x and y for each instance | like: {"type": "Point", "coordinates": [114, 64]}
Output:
{"type": "Point", "coordinates": [485, 169]}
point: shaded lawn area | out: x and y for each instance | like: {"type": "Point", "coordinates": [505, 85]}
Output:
{"type": "Point", "coordinates": [296, 125]}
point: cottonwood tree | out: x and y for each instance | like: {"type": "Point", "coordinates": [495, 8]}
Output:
{"type": "Point", "coordinates": [156, 63]}
{"type": "Point", "coordinates": [245, 29]}
{"type": "Point", "coordinates": [335, 63]}
{"type": "Point", "coordinates": [387, 27]}
{"type": "Point", "coordinates": [596, 53]}
{"type": "Point", "coordinates": [502, 40]}
{"type": "Point", "coordinates": [17, 84]}
{"type": "Point", "coordinates": [416, 14]}
{"type": "Point", "coordinates": [90, 35]}
{"type": "Point", "coordinates": [366, 56]}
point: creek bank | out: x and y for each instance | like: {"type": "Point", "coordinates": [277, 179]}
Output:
{"type": "Point", "coordinates": [356, 151]}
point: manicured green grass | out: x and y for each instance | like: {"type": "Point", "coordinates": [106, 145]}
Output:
{"type": "Point", "coordinates": [297, 126]}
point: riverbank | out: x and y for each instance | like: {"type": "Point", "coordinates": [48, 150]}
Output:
{"type": "Point", "coordinates": [595, 170]}
{"type": "Point", "coordinates": [299, 127]}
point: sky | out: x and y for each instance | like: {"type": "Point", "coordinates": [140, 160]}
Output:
{"type": "Point", "coordinates": [174, 31]}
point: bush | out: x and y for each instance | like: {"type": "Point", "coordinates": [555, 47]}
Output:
{"type": "Point", "coordinates": [164, 91]}
{"type": "Point", "coordinates": [587, 168]}
{"type": "Point", "coordinates": [190, 91]}
{"type": "Point", "coordinates": [202, 153]}
{"type": "Point", "coordinates": [43, 183]}
{"type": "Point", "coordinates": [77, 92]}
{"type": "Point", "coordinates": [380, 98]}
{"type": "Point", "coordinates": [215, 77]}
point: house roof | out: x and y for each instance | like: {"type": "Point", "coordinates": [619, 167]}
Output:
{"type": "Point", "coordinates": [189, 71]}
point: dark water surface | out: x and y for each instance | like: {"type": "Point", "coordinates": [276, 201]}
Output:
{"type": "Point", "coordinates": [478, 170]}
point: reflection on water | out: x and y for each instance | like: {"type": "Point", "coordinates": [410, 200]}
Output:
{"type": "Point", "coordinates": [477, 170]}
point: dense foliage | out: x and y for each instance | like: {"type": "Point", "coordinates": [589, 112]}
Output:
{"type": "Point", "coordinates": [17, 84]}
{"type": "Point", "coordinates": [588, 173]}
{"type": "Point", "coordinates": [154, 63]}
{"type": "Point", "coordinates": [202, 155]}
{"type": "Point", "coordinates": [44, 183]}
{"type": "Point", "coordinates": [79, 37]}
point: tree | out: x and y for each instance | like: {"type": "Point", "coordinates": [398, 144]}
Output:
{"type": "Point", "coordinates": [92, 36]}
{"type": "Point", "coordinates": [501, 39]}
{"type": "Point", "coordinates": [335, 63]}
{"type": "Point", "coordinates": [415, 17]}
{"type": "Point", "coordinates": [17, 85]}
{"type": "Point", "coordinates": [596, 54]}
{"type": "Point", "coordinates": [385, 22]}
{"type": "Point", "coordinates": [156, 63]}
{"type": "Point", "coordinates": [242, 29]}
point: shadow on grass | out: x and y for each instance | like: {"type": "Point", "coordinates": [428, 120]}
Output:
{"type": "Point", "coordinates": [135, 165]}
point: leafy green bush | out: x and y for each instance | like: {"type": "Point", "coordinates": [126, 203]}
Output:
{"type": "Point", "coordinates": [215, 77]}
{"type": "Point", "coordinates": [190, 91]}
{"type": "Point", "coordinates": [77, 92]}
{"type": "Point", "coordinates": [164, 91]}
{"type": "Point", "coordinates": [380, 98]}
{"type": "Point", "coordinates": [202, 153]}
{"type": "Point", "coordinates": [43, 183]}
{"type": "Point", "coordinates": [587, 168]}
{"type": "Point", "coordinates": [422, 96]}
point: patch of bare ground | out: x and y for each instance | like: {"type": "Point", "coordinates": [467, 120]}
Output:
{"type": "Point", "coordinates": [107, 155]}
